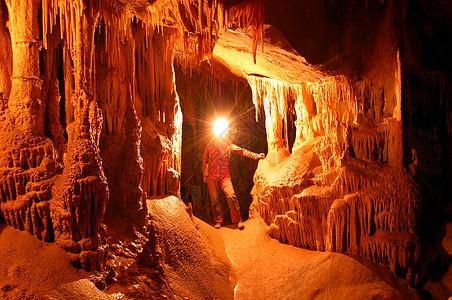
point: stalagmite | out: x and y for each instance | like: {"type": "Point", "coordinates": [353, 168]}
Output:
{"type": "Point", "coordinates": [349, 155]}
{"type": "Point", "coordinates": [5, 65]}
{"type": "Point", "coordinates": [91, 100]}
{"type": "Point", "coordinates": [81, 193]}
{"type": "Point", "coordinates": [28, 161]}
{"type": "Point", "coordinates": [342, 185]}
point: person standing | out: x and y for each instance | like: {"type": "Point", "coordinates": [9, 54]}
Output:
{"type": "Point", "coordinates": [216, 174]}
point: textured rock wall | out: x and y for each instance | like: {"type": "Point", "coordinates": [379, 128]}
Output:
{"type": "Point", "coordinates": [343, 187]}
{"type": "Point", "coordinates": [349, 183]}
{"type": "Point", "coordinates": [160, 114]}
{"type": "Point", "coordinates": [427, 106]}
{"type": "Point", "coordinates": [28, 160]}
{"type": "Point", "coordinates": [89, 113]}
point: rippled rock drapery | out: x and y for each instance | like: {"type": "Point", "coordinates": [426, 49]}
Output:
{"type": "Point", "coordinates": [28, 161]}
{"type": "Point", "coordinates": [89, 114]}
{"type": "Point", "coordinates": [349, 183]}
{"type": "Point", "coordinates": [343, 188]}
{"type": "Point", "coordinates": [90, 122]}
{"type": "Point", "coordinates": [343, 171]}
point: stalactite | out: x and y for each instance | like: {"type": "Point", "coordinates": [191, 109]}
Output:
{"type": "Point", "coordinates": [350, 191]}
{"type": "Point", "coordinates": [69, 207]}
{"type": "Point", "coordinates": [272, 95]}
{"type": "Point", "coordinates": [82, 189]}
{"type": "Point", "coordinates": [116, 87]}
{"type": "Point", "coordinates": [247, 14]}
{"type": "Point", "coordinates": [160, 115]}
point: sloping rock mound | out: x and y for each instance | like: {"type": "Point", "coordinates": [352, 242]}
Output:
{"type": "Point", "coordinates": [32, 269]}
{"type": "Point", "coordinates": [267, 269]}
{"type": "Point", "coordinates": [194, 260]}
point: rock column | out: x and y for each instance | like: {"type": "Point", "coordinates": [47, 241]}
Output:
{"type": "Point", "coordinates": [24, 102]}
{"type": "Point", "coordinates": [81, 193]}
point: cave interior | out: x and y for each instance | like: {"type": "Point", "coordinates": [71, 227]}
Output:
{"type": "Point", "coordinates": [106, 107]}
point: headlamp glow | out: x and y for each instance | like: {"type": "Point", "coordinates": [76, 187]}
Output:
{"type": "Point", "coordinates": [221, 126]}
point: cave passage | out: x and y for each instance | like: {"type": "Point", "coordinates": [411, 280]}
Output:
{"type": "Point", "coordinates": [203, 99]}
{"type": "Point", "coordinates": [106, 108]}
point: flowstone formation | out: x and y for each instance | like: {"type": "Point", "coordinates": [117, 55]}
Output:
{"type": "Point", "coordinates": [350, 179]}
{"type": "Point", "coordinates": [343, 187]}
{"type": "Point", "coordinates": [358, 146]}
{"type": "Point", "coordinates": [28, 159]}
{"type": "Point", "coordinates": [343, 171]}
{"type": "Point", "coordinates": [90, 121]}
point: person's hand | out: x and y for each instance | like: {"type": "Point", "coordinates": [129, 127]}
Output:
{"type": "Point", "coordinates": [261, 156]}
{"type": "Point", "coordinates": [205, 179]}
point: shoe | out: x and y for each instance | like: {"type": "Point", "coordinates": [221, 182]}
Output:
{"type": "Point", "coordinates": [218, 225]}
{"type": "Point", "coordinates": [240, 225]}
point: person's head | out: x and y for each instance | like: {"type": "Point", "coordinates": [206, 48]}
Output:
{"type": "Point", "coordinates": [221, 127]}
{"type": "Point", "coordinates": [221, 131]}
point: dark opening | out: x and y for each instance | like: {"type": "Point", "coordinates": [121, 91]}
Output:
{"type": "Point", "coordinates": [203, 97]}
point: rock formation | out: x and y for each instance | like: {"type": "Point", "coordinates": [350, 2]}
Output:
{"type": "Point", "coordinates": [357, 120]}
{"type": "Point", "coordinates": [90, 120]}
{"type": "Point", "coordinates": [342, 171]}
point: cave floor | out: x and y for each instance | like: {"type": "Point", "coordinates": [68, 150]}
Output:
{"type": "Point", "coordinates": [267, 269]}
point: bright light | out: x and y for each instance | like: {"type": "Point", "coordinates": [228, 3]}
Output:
{"type": "Point", "coordinates": [221, 126]}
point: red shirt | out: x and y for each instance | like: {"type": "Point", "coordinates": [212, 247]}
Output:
{"type": "Point", "coordinates": [219, 154]}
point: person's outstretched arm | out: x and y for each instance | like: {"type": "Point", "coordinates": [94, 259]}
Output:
{"type": "Point", "coordinates": [244, 152]}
